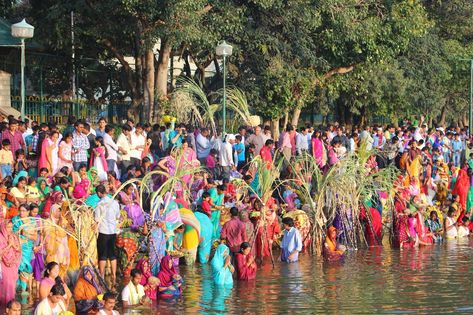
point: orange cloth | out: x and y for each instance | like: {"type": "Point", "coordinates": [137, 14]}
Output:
{"type": "Point", "coordinates": [84, 290]}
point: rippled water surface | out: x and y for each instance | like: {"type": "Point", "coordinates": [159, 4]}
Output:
{"type": "Point", "coordinates": [429, 280]}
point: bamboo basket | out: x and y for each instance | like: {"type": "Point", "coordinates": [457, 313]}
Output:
{"type": "Point", "coordinates": [254, 120]}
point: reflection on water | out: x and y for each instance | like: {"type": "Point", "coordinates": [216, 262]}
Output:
{"type": "Point", "coordinates": [435, 279]}
{"type": "Point", "coordinates": [380, 280]}
{"type": "Point", "coordinates": [429, 280]}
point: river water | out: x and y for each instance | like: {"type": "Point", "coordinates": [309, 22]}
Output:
{"type": "Point", "coordinates": [429, 280]}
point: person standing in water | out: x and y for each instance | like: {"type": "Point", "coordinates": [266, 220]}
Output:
{"type": "Point", "coordinates": [291, 243]}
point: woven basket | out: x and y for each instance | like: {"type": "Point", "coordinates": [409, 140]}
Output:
{"type": "Point", "coordinates": [254, 120]}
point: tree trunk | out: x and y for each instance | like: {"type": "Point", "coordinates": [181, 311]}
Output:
{"type": "Point", "coordinates": [163, 62]}
{"type": "Point", "coordinates": [275, 129]}
{"type": "Point", "coordinates": [295, 117]}
{"type": "Point", "coordinates": [443, 115]}
{"type": "Point", "coordinates": [286, 120]}
{"type": "Point", "coordinates": [149, 84]}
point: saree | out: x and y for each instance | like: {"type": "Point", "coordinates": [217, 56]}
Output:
{"type": "Point", "coordinates": [221, 275]}
{"type": "Point", "coordinates": [127, 245]}
{"type": "Point", "coordinates": [215, 216]}
{"type": "Point", "coordinates": [205, 242]}
{"type": "Point", "coordinates": [331, 251]}
{"type": "Point", "coordinates": [56, 242]}
{"type": "Point", "coordinates": [86, 292]}
{"type": "Point", "coordinates": [99, 163]}
{"type": "Point", "coordinates": [143, 266]}
{"type": "Point", "coordinates": [461, 187]}
{"type": "Point", "coordinates": [25, 269]}
{"type": "Point", "coordinates": [133, 209]}
{"type": "Point", "coordinates": [9, 263]}
{"type": "Point", "coordinates": [190, 238]}
{"type": "Point", "coordinates": [245, 272]}
{"type": "Point", "coordinates": [169, 277]}
{"type": "Point", "coordinates": [37, 262]}
{"type": "Point", "coordinates": [188, 161]}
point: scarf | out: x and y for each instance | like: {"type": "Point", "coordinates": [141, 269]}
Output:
{"type": "Point", "coordinates": [166, 273]}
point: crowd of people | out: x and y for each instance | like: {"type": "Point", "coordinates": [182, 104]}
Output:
{"type": "Point", "coordinates": [52, 179]}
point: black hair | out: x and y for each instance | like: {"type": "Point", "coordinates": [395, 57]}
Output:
{"type": "Point", "coordinates": [100, 189]}
{"type": "Point", "coordinates": [269, 142]}
{"type": "Point", "coordinates": [31, 180]}
{"type": "Point", "coordinates": [135, 272]}
{"type": "Point", "coordinates": [11, 303]}
{"type": "Point", "coordinates": [18, 152]}
{"type": "Point", "coordinates": [126, 127]}
{"type": "Point", "coordinates": [49, 267]}
{"type": "Point", "coordinates": [57, 289]}
{"type": "Point", "coordinates": [244, 246]}
{"type": "Point", "coordinates": [451, 211]}
{"type": "Point", "coordinates": [102, 119]}
{"type": "Point", "coordinates": [234, 211]}
{"type": "Point", "coordinates": [288, 221]}
{"type": "Point", "coordinates": [109, 128]}
{"type": "Point", "coordinates": [109, 296]}
{"type": "Point", "coordinates": [33, 206]}
{"type": "Point", "coordinates": [64, 170]}
{"type": "Point", "coordinates": [5, 142]}
{"type": "Point", "coordinates": [221, 187]}
{"type": "Point", "coordinates": [465, 219]}
{"type": "Point", "coordinates": [205, 195]}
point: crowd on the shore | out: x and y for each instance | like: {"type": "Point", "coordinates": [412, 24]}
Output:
{"type": "Point", "coordinates": [55, 179]}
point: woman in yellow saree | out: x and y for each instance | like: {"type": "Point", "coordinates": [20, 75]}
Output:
{"type": "Point", "coordinates": [56, 242]}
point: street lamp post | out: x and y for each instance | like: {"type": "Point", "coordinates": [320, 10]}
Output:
{"type": "Point", "coordinates": [224, 49]}
{"type": "Point", "coordinates": [470, 108]}
{"type": "Point", "coordinates": [22, 30]}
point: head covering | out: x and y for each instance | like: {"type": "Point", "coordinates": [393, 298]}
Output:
{"type": "Point", "coordinates": [219, 274]}
{"type": "Point", "coordinates": [18, 176]}
{"type": "Point", "coordinates": [146, 274]}
{"type": "Point", "coordinates": [56, 197]}
{"type": "Point", "coordinates": [93, 281]}
{"type": "Point", "coordinates": [12, 255]}
{"type": "Point", "coordinates": [166, 273]}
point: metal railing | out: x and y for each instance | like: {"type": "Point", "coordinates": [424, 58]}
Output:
{"type": "Point", "coordinates": [57, 110]}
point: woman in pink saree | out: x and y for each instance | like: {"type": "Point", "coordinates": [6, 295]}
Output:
{"type": "Point", "coordinates": [10, 256]}
{"type": "Point", "coordinates": [49, 153]}
{"type": "Point", "coordinates": [318, 149]}
{"type": "Point", "coordinates": [188, 161]}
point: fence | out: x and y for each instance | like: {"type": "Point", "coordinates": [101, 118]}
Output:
{"type": "Point", "coordinates": [57, 110]}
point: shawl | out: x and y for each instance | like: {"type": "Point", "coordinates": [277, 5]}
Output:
{"type": "Point", "coordinates": [13, 254]}
{"type": "Point", "coordinates": [221, 275]}
{"type": "Point", "coordinates": [166, 273]}
{"type": "Point", "coordinates": [146, 273]}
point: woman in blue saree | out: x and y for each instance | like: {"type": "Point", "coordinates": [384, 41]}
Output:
{"type": "Point", "coordinates": [27, 227]}
{"type": "Point", "coordinates": [222, 268]}
{"type": "Point", "coordinates": [205, 242]}
{"type": "Point", "coordinates": [217, 195]}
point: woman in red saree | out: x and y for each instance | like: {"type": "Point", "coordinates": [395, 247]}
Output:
{"type": "Point", "coordinates": [461, 187]}
{"type": "Point", "coordinates": [373, 226]}
{"type": "Point", "coordinates": [245, 263]}
{"type": "Point", "coordinates": [264, 240]}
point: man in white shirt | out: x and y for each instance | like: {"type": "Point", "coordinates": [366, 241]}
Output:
{"type": "Point", "coordinates": [111, 146]}
{"type": "Point", "coordinates": [123, 143]}
{"type": "Point", "coordinates": [302, 145]}
{"type": "Point", "coordinates": [133, 293]}
{"type": "Point", "coordinates": [203, 145]}
{"type": "Point", "coordinates": [107, 214]}
{"type": "Point", "coordinates": [226, 156]}
{"type": "Point", "coordinates": [137, 146]}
